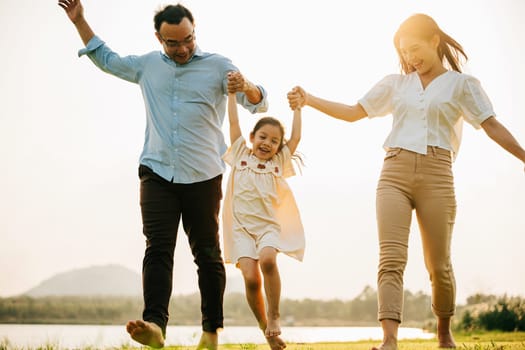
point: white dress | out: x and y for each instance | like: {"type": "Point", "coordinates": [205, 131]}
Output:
{"type": "Point", "coordinates": [259, 208]}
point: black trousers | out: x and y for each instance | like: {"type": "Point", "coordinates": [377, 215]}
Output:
{"type": "Point", "coordinates": [163, 204]}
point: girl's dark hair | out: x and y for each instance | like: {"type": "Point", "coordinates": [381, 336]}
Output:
{"type": "Point", "coordinates": [424, 26]}
{"type": "Point", "coordinates": [172, 14]}
{"type": "Point", "coordinates": [275, 122]}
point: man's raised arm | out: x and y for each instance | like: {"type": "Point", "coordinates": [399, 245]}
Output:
{"type": "Point", "coordinates": [75, 12]}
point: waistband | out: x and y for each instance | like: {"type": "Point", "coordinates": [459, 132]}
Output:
{"type": "Point", "coordinates": [430, 150]}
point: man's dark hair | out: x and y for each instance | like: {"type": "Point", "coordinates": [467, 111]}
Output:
{"type": "Point", "coordinates": [172, 14]}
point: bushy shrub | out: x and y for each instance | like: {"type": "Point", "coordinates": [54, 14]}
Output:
{"type": "Point", "coordinates": [504, 314]}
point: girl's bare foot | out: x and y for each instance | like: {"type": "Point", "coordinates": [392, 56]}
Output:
{"type": "Point", "coordinates": [273, 328]}
{"type": "Point", "coordinates": [146, 333]}
{"type": "Point", "coordinates": [275, 342]}
{"type": "Point", "coordinates": [209, 340]}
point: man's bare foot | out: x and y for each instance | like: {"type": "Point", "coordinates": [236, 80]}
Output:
{"type": "Point", "coordinates": [146, 333]}
{"type": "Point", "coordinates": [446, 340]}
{"type": "Point", "coordinates": [209, 340]}
{"type": "Point", "coordinates": [275, 342]}
{"type": "Point", "coordinates": [273, 328]}
{"type": "Point", "coordinates": [387, 344]}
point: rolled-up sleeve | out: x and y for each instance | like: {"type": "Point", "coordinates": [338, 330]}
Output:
{"type": "Point", "coordinates": [127, 67]}
{"type": "Point", "coordinates": [91, 46]}
{"type": "Point", "coordinates": [241, 98]}
{"type": "Point", "coordinates": [260, 107]}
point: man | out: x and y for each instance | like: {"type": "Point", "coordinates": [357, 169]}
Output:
{"type": "Point", "coordinates": [180, 170]}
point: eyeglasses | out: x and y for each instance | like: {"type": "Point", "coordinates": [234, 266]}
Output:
{"type": "Point", "coordinates": [174, 43]}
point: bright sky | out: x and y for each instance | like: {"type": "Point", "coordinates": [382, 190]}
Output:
{"type": "Point", "coordinates": [70, 137]}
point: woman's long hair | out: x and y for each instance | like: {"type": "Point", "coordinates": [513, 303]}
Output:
{"type": "Point", "coordinates": [424, 26]}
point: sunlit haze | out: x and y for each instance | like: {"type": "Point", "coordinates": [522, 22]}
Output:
{"type": "Point", "coordinates": [71, 137]}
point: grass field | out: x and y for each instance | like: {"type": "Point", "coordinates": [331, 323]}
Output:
{"type": "Point", "coordinates": [477, 341]}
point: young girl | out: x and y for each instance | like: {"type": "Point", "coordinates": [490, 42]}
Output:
{"type": "Point", "coordinates": [428, 103]}
{"type": "Point", "coordinates": [260, 216]}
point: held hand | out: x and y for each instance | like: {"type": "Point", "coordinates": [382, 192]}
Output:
{"type": "Point", "coordinates": [297, 98]}
{"type": "Point", "coordinates": [236, 82]}
{"type": "Point", "coordinates": [73, 8]}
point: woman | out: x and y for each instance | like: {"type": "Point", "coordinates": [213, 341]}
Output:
{"type": "Point", "coordinates": [428, 102]}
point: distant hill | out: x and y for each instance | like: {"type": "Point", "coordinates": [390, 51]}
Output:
{"type": "Point", "coordinates": [107, 280]}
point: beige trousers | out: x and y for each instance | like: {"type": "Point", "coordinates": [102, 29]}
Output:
{"type": "Point", "coordinates": [410, 181]}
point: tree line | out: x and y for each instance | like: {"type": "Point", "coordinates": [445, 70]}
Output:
{"type": "Point", "coordinates": [482, 312]}
{"type": "Point", "coordinates": [185, 310]}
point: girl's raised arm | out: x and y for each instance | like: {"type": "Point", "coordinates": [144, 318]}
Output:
{"type": "Point", "coordinates": [295, 137]}
{"type": "Point", "coordinates": [233, 116]}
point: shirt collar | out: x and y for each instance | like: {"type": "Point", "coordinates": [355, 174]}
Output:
{"type": "Point", "coordinates": [198, 53]}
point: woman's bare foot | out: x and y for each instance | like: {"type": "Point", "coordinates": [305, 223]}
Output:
{"type": "Point", "coordinates": [446, 340]}
{"type": "Point", "coordinates": [387, 344]}
{"type": "Point", "coordinates": [275, 342]}
{"type": "Point", "coordinates": [444, 334]}
{"type": "Point", "coordinates": [273, 328]}
{"type": "Point", "coordinates": [209, 340]}
{"type": "Point", "coordinates": [146, 333]}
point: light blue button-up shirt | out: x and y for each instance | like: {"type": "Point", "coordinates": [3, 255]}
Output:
{"type": "Point", "coordinates": [185, 108]}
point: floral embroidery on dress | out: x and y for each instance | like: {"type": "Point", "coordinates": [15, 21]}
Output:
{"type": "Point", "coordinates": [251, 162]}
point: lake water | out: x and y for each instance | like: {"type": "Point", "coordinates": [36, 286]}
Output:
{"type": "Point", "coordinates": [82, 336]}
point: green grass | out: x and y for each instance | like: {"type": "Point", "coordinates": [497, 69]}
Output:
{"type": "Point", "coordinates": [478, 341]}
{"type": "Point", "coordinates": [464, 341]}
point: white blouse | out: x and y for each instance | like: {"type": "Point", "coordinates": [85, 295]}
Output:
{"type": "Point", "coordinates": [428, 117]}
